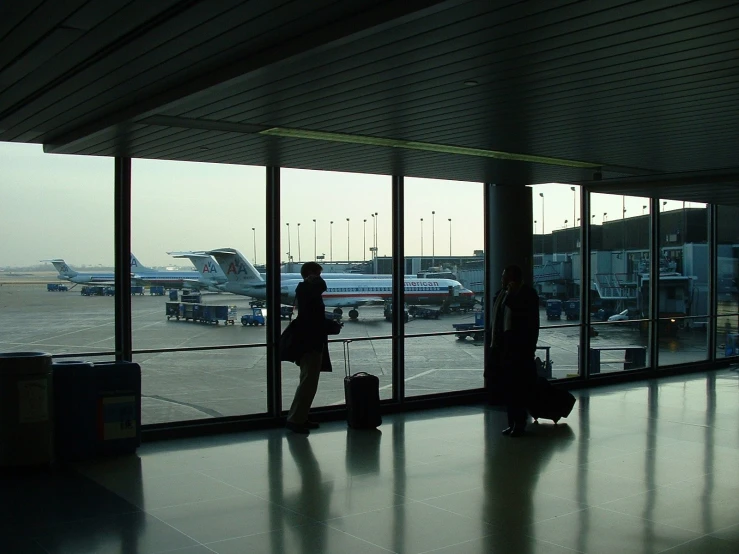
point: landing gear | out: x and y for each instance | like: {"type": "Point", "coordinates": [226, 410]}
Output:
{"type": "Point", "coordinates": [353, 314]}
{"type": "Point", "coordinates": [338, 311]}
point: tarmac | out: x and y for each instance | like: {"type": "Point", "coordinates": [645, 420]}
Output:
{"type": "Point", "coordinates": [215, 383]}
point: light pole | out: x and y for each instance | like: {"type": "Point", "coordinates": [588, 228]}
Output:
{"type": "Point", "coordinates": [315, 252]}
{"type": "Point", "coordinates": [331, 242]}
{"type": "Point", "coordinates": [574, 205]}
{"type": "Point", "coordinates": [623, 206]}
{"type": "Point", "coordinates": [348, 257]}
{"type": "Point", "coordinates": [450, 237]}
{"type": "Point", "coordinates": [542, 212]}
{"type": "Point", "coordinates": [664, 205]}
{"type": "Point", "coordinates": [364, 240]}
{"type": "Point", "coordinates": [605, 216]}
{"type": "Point", "coordinates": [643, 210]}
{"type": "Point", "coordinates": [254, 232]}
{"type": "Point", "coordinates": [422, 237]}
{"type": "Point", "coordinates": [299, 256]}
{"type": "Point", "coordinates": [377, 239]}
{"type": "Point", "coordinates": [433, 239]}
{"type": "Point", "coordinates": [289, 251]}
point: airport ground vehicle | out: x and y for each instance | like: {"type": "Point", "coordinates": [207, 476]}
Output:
{"type": "Point", "coordinates": [201, 313]}
{"type": "Point", "coordinates": [572, 308]}
{"type": "Point", "coordinates": [256, 317]}
{"type": "Point", "coordinates": [156, 290]}
{"type": "Point", "coordinates": [286, 312]}
{"type": "Point", "coordinates": [88, 290]}
{"type": "Point", "coordinates": [475, 330]}
{"type": "Point", "coordinates": [56, 287]}
{"type": "Point", "coordinates": [137, 289]}
{"type": "Point", "coordinates": [418, 312]}
{"type": "Point", "coordinates": [554, 308]}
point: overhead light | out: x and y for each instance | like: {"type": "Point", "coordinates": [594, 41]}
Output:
{"type": "Point", "coordinates": [204, 147]}
{"type": "Point", "coordinates": [471, 83]}
{"type": "Point", "coordinates": [424, 146]}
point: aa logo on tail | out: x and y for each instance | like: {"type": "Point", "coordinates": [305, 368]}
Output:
{"type": "Point", "coordinates": [233, 268]}
{"type": "Point", "coordinates": [209, 267]}
{"type": "Point", "coordinates": [65, 268]}
{"type": "Point", "coordinates": [134, 262]}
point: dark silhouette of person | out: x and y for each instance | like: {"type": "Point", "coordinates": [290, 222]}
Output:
{"type": "Point", "coordinates": [309, 347]}
{"type": "Point", "coordinates": [515, 332]}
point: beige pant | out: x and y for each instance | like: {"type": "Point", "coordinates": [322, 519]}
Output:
{"type": "Point", "coordinates": [310, 371]}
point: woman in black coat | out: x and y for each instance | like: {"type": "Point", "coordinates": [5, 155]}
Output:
{"type": "Point", "coordinates": [309, 345]}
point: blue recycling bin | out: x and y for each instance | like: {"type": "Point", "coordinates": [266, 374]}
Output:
{"type": "Point", "coordinates": [97, 409]}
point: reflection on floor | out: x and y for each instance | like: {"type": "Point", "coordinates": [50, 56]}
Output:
{"type": "Point", "coordinates": [646, 467]}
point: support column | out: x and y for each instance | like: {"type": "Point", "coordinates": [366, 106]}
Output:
{"type": "Point", "coordinates": [122, 210]}
{"type": "Point", "coordinates": [274, 329]}
{"type": "Point", "coordinates": [510, 233]}
{"type": "Point", "coordinates": [509, 239]}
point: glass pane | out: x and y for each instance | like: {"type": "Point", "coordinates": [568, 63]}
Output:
{"type": "Point", "coordinates": [58, 209]}
{"type": "Point", "coordinates": [194, 255]}
{"type": "Point", "coordinates": [619, 257]}
{"type": "Point", "coordinates": [444, 285]}
{"type": "Point", "coordinates": [343, 222]}
{"type": "Point", "coordinates": [684, 293]}
{"type": "Point", "coordinates": [728, 260]}
{"type": "Point", "coordinates": [183, 386]}
{"type": "Point", "coordinates": [619, 346]}
{"type": "Point", "coordinates": [727, 336]}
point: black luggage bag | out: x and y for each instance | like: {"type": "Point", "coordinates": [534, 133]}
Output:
{"type": "Point", "coordinates": [362, 393]}
{"type": "Point", "coordinates": [548, 402]}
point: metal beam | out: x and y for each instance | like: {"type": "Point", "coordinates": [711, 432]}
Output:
{"type": "Point", "coordinates": [122, 222]}
{"type": "Point", "coordinates": [274, 330]}
{"type": "Point", "coordinates": [398, 346]}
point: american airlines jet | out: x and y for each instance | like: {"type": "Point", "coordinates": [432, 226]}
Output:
{"type": "Point", "coordinates": [142, 275]}
{"type": "Point", "coordinates": [244, 279]}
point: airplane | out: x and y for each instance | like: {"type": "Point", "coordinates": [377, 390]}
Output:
{"type": "Point", "coordinates": [244, 279]}
{"type": "Point", "coordinates": [68, 274]}
{"type": "Point", "coordinates": [141, 275]}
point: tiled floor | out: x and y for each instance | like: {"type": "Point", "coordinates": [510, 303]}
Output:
{"type": "Point", "coordinates": [646, 467]}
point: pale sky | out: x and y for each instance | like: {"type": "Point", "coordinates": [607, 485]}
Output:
{"type": "Point", "coordinates": [57, 206]}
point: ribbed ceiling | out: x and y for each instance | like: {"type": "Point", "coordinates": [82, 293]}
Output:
{"type": "Point", "coordinates": [637, 88]}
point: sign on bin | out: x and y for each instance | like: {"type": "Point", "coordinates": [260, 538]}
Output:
{"type": "Point", "coordinates": [118, 417]}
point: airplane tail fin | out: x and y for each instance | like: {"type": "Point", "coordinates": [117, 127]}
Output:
{"type": "Point", "coordinates": [204, 263]}
{"type": "Point", "coordinates": [136, 265]}
{"type": "Point", "coordinates": [61, 266]}
{"type": "Point", "coordinates": [235, 266]}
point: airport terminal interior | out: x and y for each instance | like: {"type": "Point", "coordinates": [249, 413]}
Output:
{"type": "Point", "coordinates": [166, 168]}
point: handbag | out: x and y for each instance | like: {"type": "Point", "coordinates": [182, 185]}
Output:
{"type": "Point", "coordinates": [287, 343]}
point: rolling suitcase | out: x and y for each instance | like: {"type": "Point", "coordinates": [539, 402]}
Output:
{"type": "Point", "coordinates": [549, 403]}
{"type": "Point", "coordinates": [362, 393]}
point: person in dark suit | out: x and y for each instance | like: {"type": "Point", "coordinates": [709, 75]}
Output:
{"type": "Point", "coordinates": [515, 332]}
{"type": "Point", "coordinates": [309, 348]}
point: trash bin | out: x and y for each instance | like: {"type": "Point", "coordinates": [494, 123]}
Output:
{"type": "Point", "coordinates": [75, 411]}
{"type": "Point", "coordinates": [118, 407]}
{"type": "Point", "coordinates": [26, 421]}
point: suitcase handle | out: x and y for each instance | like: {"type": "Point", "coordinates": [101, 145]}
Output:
{"type": "Point", "coordinates": [347, 363]}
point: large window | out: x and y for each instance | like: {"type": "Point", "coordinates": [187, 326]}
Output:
{"type": "Point", "coordinates": [557, 268]}
{"type": "Point", "coordinates": [342, 221]}
{"type": "Point", "coordinates": [619, 309]}
{"type": "Point", "coordinates": [197, 239]}
{"type": "Point", "coordinates": [58, 209]}
{"type": "Point", "coordinates": [683, 286]}
{"type": "Point", "coordinates": [727, 282]}
{"type": "Point", "coordinates": [444, 286]}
